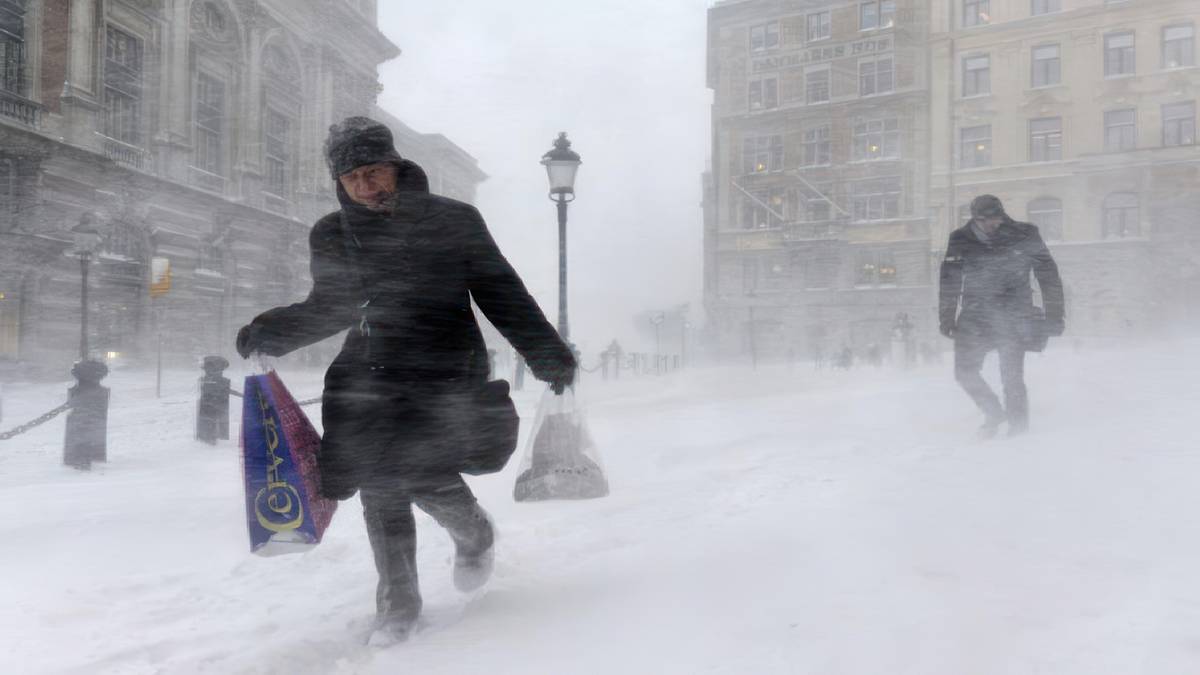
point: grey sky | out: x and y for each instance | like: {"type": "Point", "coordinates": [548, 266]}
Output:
{"type": "Point", "coordinates": [625, 80]}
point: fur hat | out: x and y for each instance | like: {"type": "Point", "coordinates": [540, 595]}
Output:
{"type": "Point", "coordinates": [358, 141]}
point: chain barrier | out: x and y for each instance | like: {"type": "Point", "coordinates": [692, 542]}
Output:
{"type": "Point", "coordinates": [37, 422]}
{"type": "Point", "coordinates": [592, 370]}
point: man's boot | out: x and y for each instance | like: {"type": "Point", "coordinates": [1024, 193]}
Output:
{"type": "Point", "coordinates": [990, 428]}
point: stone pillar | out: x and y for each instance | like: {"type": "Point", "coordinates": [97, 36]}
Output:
{"type": "Point", "coordinates": [212, 411]}
{"type": "Point", "coordinates": [87, 423]}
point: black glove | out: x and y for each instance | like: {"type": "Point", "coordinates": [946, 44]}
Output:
{"type": "Point", "coordinates": [247, 340]}
{"type": "Point", "coordinates": [1055, 327]}
{"type": "Point", "coordinates": [561, 381]}
{"type": "Point", "coordinates": [948, 329]}
{"type": "Point", "coordinates": [562, 374]}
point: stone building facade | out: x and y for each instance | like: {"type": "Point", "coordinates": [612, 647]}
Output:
{"type": "Point", "coordinates": [817, 233]}
{"type": "Point", "coordinates": [1081, 115]}
{"type": "Point", "coordinates": [191, 130]}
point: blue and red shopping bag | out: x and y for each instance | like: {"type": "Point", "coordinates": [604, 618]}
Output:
{"type": "Point", "coordinates": [284, 508]}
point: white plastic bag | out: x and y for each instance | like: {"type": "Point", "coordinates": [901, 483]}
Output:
{"type": "Point", "coordinates": [561, 461]}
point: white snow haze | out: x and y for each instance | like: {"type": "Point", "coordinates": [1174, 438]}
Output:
{"type": "Point", "coordinates": [784, 268]}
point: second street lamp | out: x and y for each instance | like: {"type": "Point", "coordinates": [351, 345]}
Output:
{"type": "Point", "coordinates": [87, 240]}
{"type": "Point", "coordinates": [561, 164]}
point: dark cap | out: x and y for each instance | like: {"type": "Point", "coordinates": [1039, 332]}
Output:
{"type": "Point", "coordinates": [358, 141]}
{"type": "Point", "coordinates": [985, 206]}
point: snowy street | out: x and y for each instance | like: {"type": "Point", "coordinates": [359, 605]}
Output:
{"type": "Point", "coordinates": [785, 521]}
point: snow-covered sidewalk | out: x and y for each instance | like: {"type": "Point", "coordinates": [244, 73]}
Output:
{"type": "Point", "coordinates": [785, 521]}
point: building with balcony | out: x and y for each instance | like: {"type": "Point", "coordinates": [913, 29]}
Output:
{"type": "Point", "coordinates": [192, 130]}
{"type": "Point", "coordinates": [817, 231]}
{"type": "Point", "coordinates": [1081, 116]}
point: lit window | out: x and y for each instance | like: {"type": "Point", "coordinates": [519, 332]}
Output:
{"type": "Point", "coordinates": [762, 153]}
{"type": "Point", "coordinates": [976, 146]}
{"type": "Point", "coordinates": [876, 139]}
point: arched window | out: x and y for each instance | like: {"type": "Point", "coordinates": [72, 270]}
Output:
{"type": "Point", "coordinates": [1122, 216]}
{"type": "Point", "coordinates": [1047, 214]}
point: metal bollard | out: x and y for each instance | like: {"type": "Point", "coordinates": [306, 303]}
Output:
{"type": "Point", "coordinates": [212, 410]}
{"type": "Point", "coordinates": [87, 423]}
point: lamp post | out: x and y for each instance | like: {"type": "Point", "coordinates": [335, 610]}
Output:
{"type": "Point", "coordinates": [561, 165]}
{"type": "Point", "coordinates": [87, 239]}
{"type": "Point", "coordinates": [86, 438]}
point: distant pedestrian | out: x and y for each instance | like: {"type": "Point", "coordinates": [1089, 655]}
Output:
{"type": "Point", "coordinates": [986, 270]}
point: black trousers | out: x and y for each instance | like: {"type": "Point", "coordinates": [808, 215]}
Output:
{"type": "Point", "coordinates": [393, 534]}
{"type": "Point", "coordinates": [969, 353]}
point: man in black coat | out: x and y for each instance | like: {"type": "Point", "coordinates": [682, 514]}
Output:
{"type": "Point", "coordinates": [987, 268]}
{"type": "Point", "coordinates": [398, 267]}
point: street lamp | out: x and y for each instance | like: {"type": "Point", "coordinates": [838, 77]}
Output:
{"type": "Point", "coordinates": [87, 240]}
{"type": "Point", "coordinates": [561, 165]}
{"type": "Point", "coordinates": [657, 320]}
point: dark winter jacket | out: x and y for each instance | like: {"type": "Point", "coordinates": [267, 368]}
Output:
{"type": "Point", "coordinates": [991, 280]}
{"type": "Point", "coordinates": [402, 283]}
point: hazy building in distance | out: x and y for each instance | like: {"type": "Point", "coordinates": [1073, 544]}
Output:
{"type": "Point", "coordinates": [192, 129]}
{"type": "Point", "coordinates": [817, 229]}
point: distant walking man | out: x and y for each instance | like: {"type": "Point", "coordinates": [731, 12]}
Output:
{"type": "Point", "coordinates": [987, 267]}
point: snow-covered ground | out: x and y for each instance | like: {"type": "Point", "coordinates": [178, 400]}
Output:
{"type": "Point", "coordinates": [784, 521]}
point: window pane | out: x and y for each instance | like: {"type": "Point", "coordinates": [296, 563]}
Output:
{"type": "Point", "coordinates": [868, 15]}
{"type": "Point", "coordinates": [1120, 130]}
{"type": "Point", "coordinates": [1179, 46]}
{"type": "Point", "coordinates": [1179, 123]}
{"type": "Point", "coordinates": [1118, 54]}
